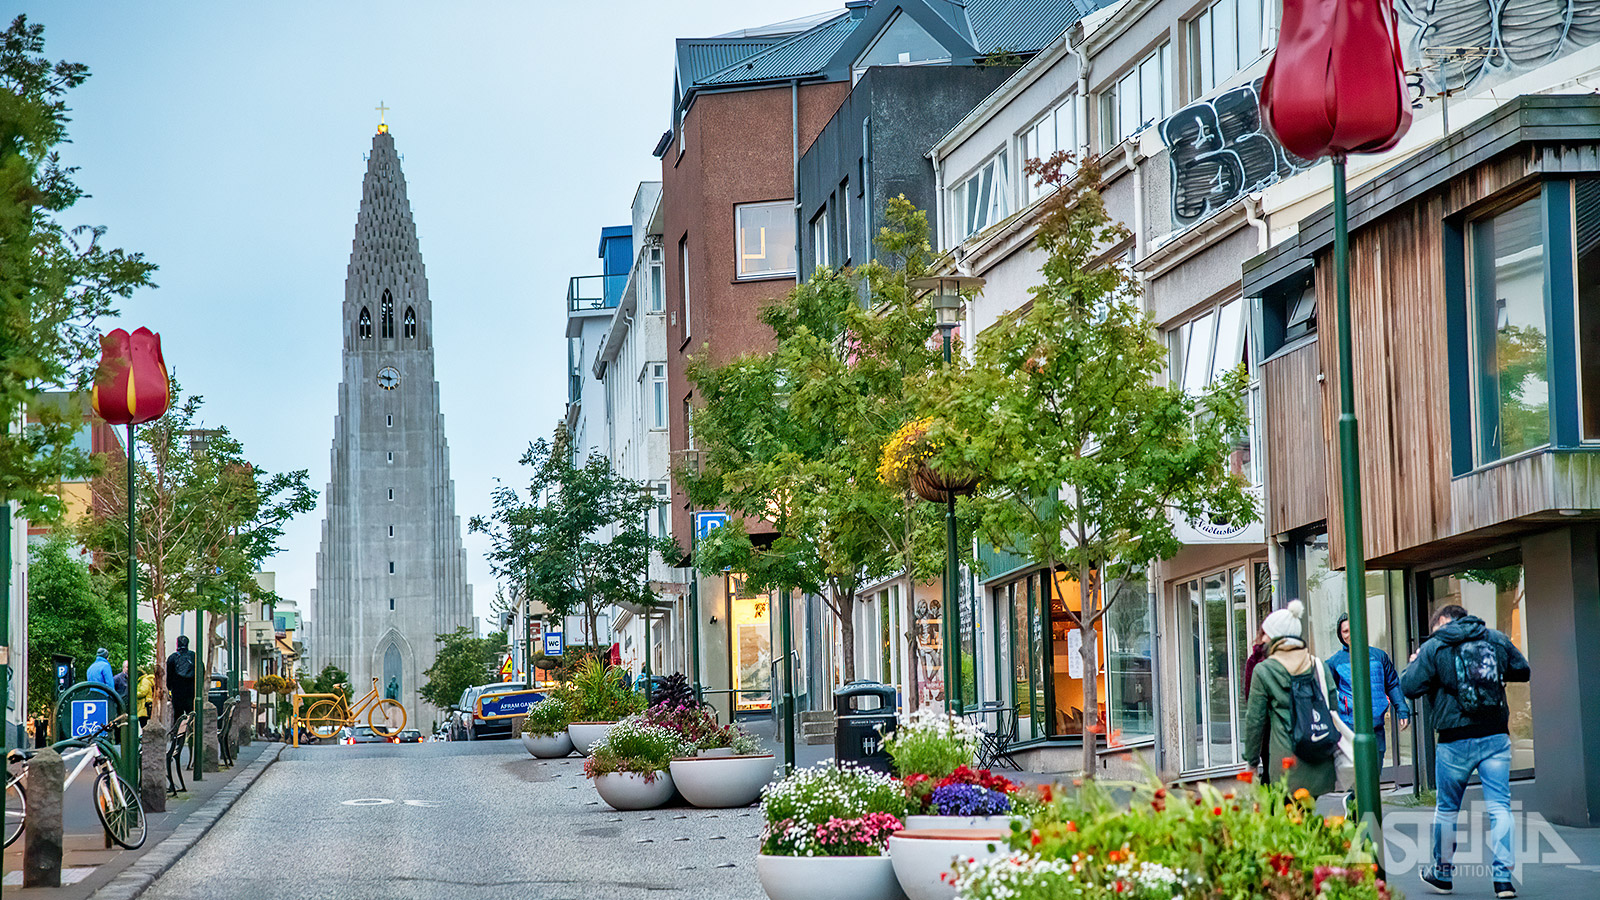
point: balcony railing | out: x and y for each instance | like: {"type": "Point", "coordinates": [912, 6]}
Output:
{"type": "Point", "coordinates": [585, 292]}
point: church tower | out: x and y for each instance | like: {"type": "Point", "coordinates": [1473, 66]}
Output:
{"type": "Point", "coordinates": [391, 572]}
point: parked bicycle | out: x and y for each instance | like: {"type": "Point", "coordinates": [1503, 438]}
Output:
{"type": "Point", "coordinates": [325, 716]}
{"type": "Point", "coordinates": [115, 801]}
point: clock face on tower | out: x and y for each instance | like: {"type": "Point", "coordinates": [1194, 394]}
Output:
{"type": "Point", "coordinates": [388, 378]}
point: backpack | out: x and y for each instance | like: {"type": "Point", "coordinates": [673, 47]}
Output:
{"type": "Point", "coordinates": [1311, 730]}
{"type": "Point", "coordinates": [1480, 684]}
{"type": "Point", "coordinates": [183, 666]}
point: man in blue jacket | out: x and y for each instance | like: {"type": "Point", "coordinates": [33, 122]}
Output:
{"type": "Point", "coordinates": [100, 669]}
{"type": "Point", "coordinates": [1463, 669]}
{"type": "Point", "coordinates": [1385, 687]}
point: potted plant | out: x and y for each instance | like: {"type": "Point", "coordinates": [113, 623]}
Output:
{"type": "Point", "coordinates": [597, 700]}
{"type": "Point", "coordinates": [966, 798]}
{"type": "Point", "coordinates": [906, 462]}
{"type": "Point", "coordinates": [928, 747]}
{"type": "Point", "coordinates": [544, 729]}
{"type": "Point", "coordinates": [827, 831]}
{"type": "Point", "coordinates": [630, 765]}
{"type": "Point", "coordinates": [1203, 841]}
{"type": "Point", "coordinates": [727, 769]}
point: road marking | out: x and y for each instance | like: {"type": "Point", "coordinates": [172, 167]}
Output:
{"type": "Point", "coordinates": [425, 804]}
{"type": "Point", "coordinates": [367, 801]}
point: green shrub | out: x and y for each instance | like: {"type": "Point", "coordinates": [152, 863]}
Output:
{"type": "Point", "coordinates": [548, 716]}
{"type": "Point", "coordinates": [596, 694]}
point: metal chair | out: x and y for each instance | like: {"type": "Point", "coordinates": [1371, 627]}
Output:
{"type": "Point", "coordinates": [994, 746]}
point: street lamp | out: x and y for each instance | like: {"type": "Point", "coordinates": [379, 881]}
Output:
{"type": "Point", "coordinates": [946, 291]}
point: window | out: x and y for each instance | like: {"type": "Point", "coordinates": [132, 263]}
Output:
{"type": "Point", "coordinates": [391, 604]}
{"type": "Point", "coordinates": [1056, 130]}
{"type": "Point", "coordinates": [389, 420]}
{"type": "Point", "coordinates": [1586, 196]}
{"type": "Point", "coordinates": [1288, 313]}
{"type": "Point", "coordinates": [844, 213]}
{"type": "Point", "coordinates": [364, 328]}
{"type": "Point", "coordinates": [391, 531]}
{"type": "Point", "coordinates": [1508, 332]}
{"type": "Point", "coordinates": [1138, 98]}
{"type": "Point", "coordinates": [766, 239]}
{"type": "Point", "coordinates": [1215, 622]}
{"type": "Point", "coordinates": [657, 300]}
{"type": "Point", "coordinates": [819, 239]}
{"type": "Point", "coordinates": [387, 310]}
{"type": "Point", "coordinates": [1130, 664]}
{"type": "Point", "coordinates": [1226, 37]}
{"type": "Point", "coordinates": [683, 282]}
{"type": "Point", "coordinates": [688, 423]}
{"type": "Point", "coordinates": [983, 199]}
{"type": "Point", "coordinates": [411, 323]}
{"type": "Point", "coordinates": [1206, 349]}
{"type": "Point", "coordinates": [658, 395]}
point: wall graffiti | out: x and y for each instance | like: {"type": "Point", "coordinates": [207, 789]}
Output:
{"type": "Point", "coordinates": [1470, 43]}
{"type": "Point", "coordinates": [1219, 150]}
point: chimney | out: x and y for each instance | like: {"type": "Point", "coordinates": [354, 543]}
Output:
{"type": "Point", "coordinates": [858, 8]}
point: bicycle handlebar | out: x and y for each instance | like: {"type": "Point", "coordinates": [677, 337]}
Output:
{"type": "Point", "coordinates": [93, 735]}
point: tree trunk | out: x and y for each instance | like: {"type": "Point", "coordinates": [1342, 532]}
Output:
{"type": "Point", "coordinates": [847, 633]}
{"type": "Point", "coordinates": [1091, 668]}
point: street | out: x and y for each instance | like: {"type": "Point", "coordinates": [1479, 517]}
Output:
{"type": "Point", "coordinates": [456, 820]}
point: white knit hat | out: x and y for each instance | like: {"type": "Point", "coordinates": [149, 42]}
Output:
{"type": "Point", "coordinates": [1285, 622]}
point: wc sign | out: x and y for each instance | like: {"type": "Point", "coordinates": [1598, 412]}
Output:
{"type": "Point", "coordinates": [88, 716]}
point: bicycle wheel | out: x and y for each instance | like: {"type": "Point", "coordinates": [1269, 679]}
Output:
{"type": "Point", "coordinates": [324, 718]}
{"type": "Point", "coordinates": [16, 811]}
{"type": "Point", "coordinates": [120, 810]}
{"type": "Point", "coordinates": [387, 718]}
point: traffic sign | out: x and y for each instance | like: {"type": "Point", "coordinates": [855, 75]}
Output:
{"type": "Point", "coordinates": [89, 715]}
{"type": "Point", "coordinates": [706, 522]}
{"type": "Point", "coordinates": [504, 706]}
{"type": "Point", "coordinates": [552, 643]}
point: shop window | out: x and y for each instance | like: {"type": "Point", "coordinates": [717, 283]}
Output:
{"type": "Point", "coordinates": [752, 646]}
{"type": "Point", "coordinates": [1495, 594]}
{"type": "Point", "coordinates": [1508, 332]}
{"type": "Point", "coordinates": [1130, 665]}
{"type": "Point", "coordinates": [766, 239]}
{"type": "Point", "coordinates": [929, 635]}
{"type": "Point", "coordinates": [967, 695]}
{"type": "Point", "coordinates": [1586, 201]}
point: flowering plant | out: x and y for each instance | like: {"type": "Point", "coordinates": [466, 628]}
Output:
{"type": "Point", "coordinates": [797, 807]}
{"type": "Point", "coordinates": [698, 726]}
{"type": "Point", "coordinates": [1025, 875]}
{"type": "Point", "coordinates": [968, 800]}
{"type": "Point", "coordinates": [635, 746]}
{"type": "Point", "coordinates": [932, 743]}
{"type": "Point", "coordinates": [548, 716]}
{"type": "Point", "coordinates": [904, 451]}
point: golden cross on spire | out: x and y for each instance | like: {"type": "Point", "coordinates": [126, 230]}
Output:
{"type": "Point", "coordinates": [383, 124]}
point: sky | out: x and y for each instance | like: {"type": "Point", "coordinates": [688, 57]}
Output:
{"type": "Point", "coordinates": [225, 141]}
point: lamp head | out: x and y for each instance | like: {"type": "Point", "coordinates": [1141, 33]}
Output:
{"type": "Point", "coordinates": [945, 295]}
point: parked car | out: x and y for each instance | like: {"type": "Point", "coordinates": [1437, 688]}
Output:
{"type": "Point", "coordinates": [464, 722]}
{"type": "Point", "coordinates": [409, 736]}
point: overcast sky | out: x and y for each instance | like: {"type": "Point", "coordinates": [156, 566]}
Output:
{"type": "Point", "coordinates": [225, 141]}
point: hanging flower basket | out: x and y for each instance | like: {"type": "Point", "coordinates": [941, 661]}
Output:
{"type": "Point", "coordinates": [937, 487]}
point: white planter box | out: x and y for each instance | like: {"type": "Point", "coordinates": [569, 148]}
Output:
{"type": "Point", "coordinates": [548, 746]}
{"type": "Point", "coordinates": [828, 878]}
{"type": "Point", "coordinates": [586, 734]}
{"type": "Point", "coordinates": [720, 782]}
{"type": "Point", "coordinates": [629, 790]}
{"type": "Point", "coordinates": [922, 859]}
{"type": "Point", "coordinates": [1000, 823]}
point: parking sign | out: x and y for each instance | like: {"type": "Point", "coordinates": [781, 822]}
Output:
{"type": "Point", "coordinates": [88, 715]}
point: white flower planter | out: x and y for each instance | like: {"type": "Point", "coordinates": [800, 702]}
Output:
{"type": "Point", "coordinates": [586, 734]}
{"type": "Point", "coordinates": [548, 746]}
{"type": "Point", "coordinates": [629, 790]}
{"type": "Point", "coordinates": [1001, 823]}
{"type": "Point", "coordinates": [923, 859]}
{"type": "Point", "coordinates": [720, 782]}
{"type": "Point", "coordinates": [828, 878]}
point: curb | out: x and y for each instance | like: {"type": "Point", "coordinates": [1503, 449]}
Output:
{"type": "Point", "coordinates": [134, 880]}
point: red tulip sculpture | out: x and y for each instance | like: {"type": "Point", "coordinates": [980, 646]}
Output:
{"type": "Point", "coordinates": [132, 385]}
{"type": "Point", "coordinates": [1336, 84]}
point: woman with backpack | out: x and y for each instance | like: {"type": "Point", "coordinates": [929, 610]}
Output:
{"type": "Point", "coordinates": [1289, 713]}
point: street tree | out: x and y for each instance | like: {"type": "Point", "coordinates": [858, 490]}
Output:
{"type": "Point", "coordinates": [789, 439]}
{"type": "Point", "coordinates": [464, 660]}
{"type": "Point", "coordinates": [1087, 459]}
{"type": "Point", "coordinates": [579, 541]}
{"type": "Point", "coordinates": [55, 280]}
{"type": "Point", "coordinates": [206, 521]}
{"type": "Point", "coordinates": [331, 680]}
{"type": "Point", "coordinates": [66, 615]}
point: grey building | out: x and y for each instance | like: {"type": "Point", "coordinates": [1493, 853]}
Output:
{"type": "Point", "coordinates": [876, 148]}
{"type": "Point", "coordinates": [391, 572]}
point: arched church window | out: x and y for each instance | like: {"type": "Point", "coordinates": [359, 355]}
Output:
{"type": "Point", "coordinates": [411, 323]}
{"type": "Point", "coordinates": [364, 326]}
{"type": "Point", "coordinates": [388, 316]}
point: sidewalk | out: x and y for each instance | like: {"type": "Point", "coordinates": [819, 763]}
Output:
{"type": "Point", "coordinates": [88, 869]}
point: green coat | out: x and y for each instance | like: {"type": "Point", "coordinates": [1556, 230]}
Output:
{"type": "Point", "coordinates": [1267, 716]}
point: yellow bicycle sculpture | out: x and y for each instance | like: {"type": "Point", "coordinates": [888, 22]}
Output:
{"type": "Point", "coordinates": [330, 712]}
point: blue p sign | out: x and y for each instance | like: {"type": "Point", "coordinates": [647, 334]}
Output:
{"type": "Point", "coordinates": [87, 716]}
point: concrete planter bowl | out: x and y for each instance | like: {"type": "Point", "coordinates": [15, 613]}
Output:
{"type": "Point", "coordinates": [586, 734]}
{"type": "Point", "coordinates": [548, 746]}
{"type": "Point", "coordinates": [828, 878]}
{"type": "Point", "coordinates": [722, 782]}
{"type": "Point", "coordinates": [1001, 823]}
{"type": "Point", "coordinates": [630, 790]}
{"type": "Point", "coordinates": [922, 859]}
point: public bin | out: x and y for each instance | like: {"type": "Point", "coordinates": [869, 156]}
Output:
{"type": "Point", "coordinates": [863, 713]}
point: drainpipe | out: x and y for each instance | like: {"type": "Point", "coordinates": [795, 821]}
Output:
{"type": "Point", "coordinates": [938, 198]}
{"type": "Point", "coordinates": [1130, 155]}
{"type": "Point", "coordinates": [1082, 104]}
{"type": "Point", "coordinates": [1252, 214]}
{"type": "Point", "coordinates": [794, 134]}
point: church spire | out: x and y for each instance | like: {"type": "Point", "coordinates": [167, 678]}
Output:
{"type": "Point", "coordinates": [386, 272]}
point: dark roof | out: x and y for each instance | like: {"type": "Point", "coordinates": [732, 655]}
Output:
{"type": "Point", "coordinates": [699, 57]}
{"type": "Point", "coordinates": [804, 54]}
{"type": "Point", "coordinates": [1023, 26]}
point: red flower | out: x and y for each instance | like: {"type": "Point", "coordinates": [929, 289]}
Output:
{"type": "Point", "coordinates": [131, 386]}
{"type": "Point", "coordinates": [1035, 839]}
{"type": "Point", "coordinates": [1288, 763]}
{"type": "Point", "coordinates": [1045, 793]}
{"type": "Point", "coordinates": [1072, 826]}
{"type": "Point", "coordinates": [1247, 776]}
{"type": "Point", "coordinates": [1341, 88]}
{"type": "Point", "coordinates": [1216, 810]}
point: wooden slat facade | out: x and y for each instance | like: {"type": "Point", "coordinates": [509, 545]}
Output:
{"type": "Point", "coordinates": [1296, 449]}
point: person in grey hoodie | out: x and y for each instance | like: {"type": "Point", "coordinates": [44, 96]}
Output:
{"type": "Point", "coordinates": [1463, 669]}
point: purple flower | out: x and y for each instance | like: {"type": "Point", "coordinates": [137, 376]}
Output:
{"type": "Point", "coordinates": [969, 800]}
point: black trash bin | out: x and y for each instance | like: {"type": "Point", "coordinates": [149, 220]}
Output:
{"type": "Point", "coordinates": [863, 713]}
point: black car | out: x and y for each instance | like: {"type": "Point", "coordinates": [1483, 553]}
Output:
{"type": "Point", "coordinates": [408, 736]}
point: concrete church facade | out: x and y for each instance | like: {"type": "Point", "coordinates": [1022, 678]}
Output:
{"type": "Point", "coordinates": [391, 572]}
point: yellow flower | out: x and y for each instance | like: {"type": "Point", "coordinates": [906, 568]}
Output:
{"type": "Point", "coordinates": [1302, 794]}
{"type": "Point", "coordinates": [1333, 821]}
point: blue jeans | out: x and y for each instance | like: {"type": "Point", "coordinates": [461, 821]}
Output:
{"type": "Point", "coordinates": [1453, 764]}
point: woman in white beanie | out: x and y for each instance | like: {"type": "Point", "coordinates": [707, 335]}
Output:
{"type": "Point", "coordinates": [1269, 717]}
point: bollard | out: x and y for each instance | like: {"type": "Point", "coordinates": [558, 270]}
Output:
{"type": "Point", "coordinates": [244, 718]}
{"type": "Point", "coordinates": [213, 751]}
{"type": "Point", "coordinates": [41, 851]}
{"type": "Point", "coordinates": [153, 767]}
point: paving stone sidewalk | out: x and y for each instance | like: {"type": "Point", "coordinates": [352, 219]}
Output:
{"type": "Point", "coordinates": [90, 870]}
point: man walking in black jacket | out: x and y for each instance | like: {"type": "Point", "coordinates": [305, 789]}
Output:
{"type": "Point", "coordinates": [1463, 669]}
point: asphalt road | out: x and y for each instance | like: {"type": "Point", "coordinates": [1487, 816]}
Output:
{"type": "Point", "coordinates": [459, 821]}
